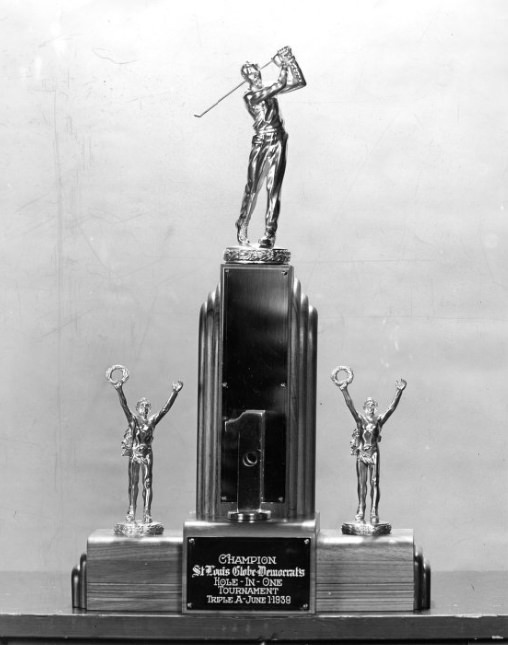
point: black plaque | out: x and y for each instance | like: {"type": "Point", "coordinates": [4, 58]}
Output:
{"type": "Point", "coordinates": [248, 574]}
{"type": "Point", "coordinates": [255, 368]}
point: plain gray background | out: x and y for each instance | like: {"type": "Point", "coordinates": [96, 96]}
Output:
{"type": "Point", "coordinates": [117, 205]}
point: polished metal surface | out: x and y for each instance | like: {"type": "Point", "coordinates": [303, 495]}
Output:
{"type": "Point", "coordinates": [365, 447]}
{"type": "Point", "coordinates": [209, 412]}
{"type": "Point", "coordinates": [362, 528]}
{"type": "Point", "coordinates": [117, 368]}
{"type": "Point", "coordinates": [273, 527]}
{"type": "Point", "coordinates": [137, 446]}
{"type": "Point", "coordinates": [249, 516]}
{"type": "Point", "coordinates": [349, 375]}
{"type": "Point", "coordinates": [248, 435]}
{"type": "Point", "coordinates": [248, 255]}
{"type": "Point", "coordinates": [267, 160]}
{"type": "Point", "coordinates": [423, 580]}
{"type": "Point", "coordinates": [138, 529]}
{"type": "Point", "coordinates": [302, 409]}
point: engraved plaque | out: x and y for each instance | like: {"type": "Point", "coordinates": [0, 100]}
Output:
{"type": "Point", "coordinates": [248, 574]}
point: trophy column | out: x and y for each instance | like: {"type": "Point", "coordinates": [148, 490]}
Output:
{"type": "Point", "coordinates": [256, 444]}
{"type": "Point", "coordinates": [257, 352]}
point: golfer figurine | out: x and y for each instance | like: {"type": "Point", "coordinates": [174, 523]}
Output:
{"type": "Point", "coordinates": [365, 447]}
{"type": "Point", "coordinates": [137, 446]}
{"type": "Point", "coordinates": [268, 154]}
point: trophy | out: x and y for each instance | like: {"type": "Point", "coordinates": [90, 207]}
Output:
{"type": "Point", "coordinates": [372, 566]}
{"type": "Point", "coordinates": [137, 446]}
{"type": "Point", "coordinates": [365, 447]}
{"type": "Point", "coordinates": [122, 565]}
{"type": "Point", "coordinates": [254, 544]}
{"type": "Point", "coordinates": [251, 546]}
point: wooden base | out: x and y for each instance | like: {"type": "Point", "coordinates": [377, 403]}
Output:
{"type": "Point", "coordinates": [134, 573]}
{"type": "Point", "coordinates": [357, 573]}
{"type": "Point", "coordinates": [352, 573]}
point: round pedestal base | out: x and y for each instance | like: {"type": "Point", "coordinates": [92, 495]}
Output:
{"type": "Point", "coordinates": [138, 529]}
{"type": "Point", "coordinates": [254, 255]}
{"type": "Point", "coordinates": [361, 528]}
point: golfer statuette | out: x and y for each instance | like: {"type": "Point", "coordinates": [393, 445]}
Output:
{"type": "Point", "coordinates": [268, 154]}
{"type": "Point", "coordinates": [137, 446]}
{"type": "Point", "coordinates": [365, 447]}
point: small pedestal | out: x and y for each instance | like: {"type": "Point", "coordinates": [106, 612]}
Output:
{"type": "Point", "coordinates": [385, 573]}
{"type": "Point", "coordinates": [134, 574]}
{"type": "Point", "coordinates": [136, 529]}
{"type": "Point", "coordinates": [361, 528]}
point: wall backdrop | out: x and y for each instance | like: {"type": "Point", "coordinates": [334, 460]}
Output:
{"type": "Point", "coordinates": [117, 204]}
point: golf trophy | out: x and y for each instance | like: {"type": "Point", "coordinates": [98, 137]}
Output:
{"type": "Point", "coordinates": [254, 544]}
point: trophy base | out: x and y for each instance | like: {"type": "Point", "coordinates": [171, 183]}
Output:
{"type": "Point", "coordinates": [138, 529]}
{"type": "Point", "coordinates": [360, 573]}
{"type": "Point", "coordinates": [361, 528]}
{"type": "Point", "coordinates": [254, 255]}
{"type": "Point", "coordinates": [348, 573]}
{"type": "Point", "coordinates": [125, 574]}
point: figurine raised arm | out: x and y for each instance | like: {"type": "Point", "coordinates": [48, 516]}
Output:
{"type": "Point", "coordinates": [365, 447]}
{"type": "Point", "coordinates": [137, 446]}
{"type": "Point", "coordinates": [268, 154]}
